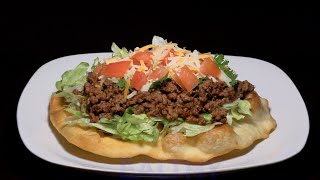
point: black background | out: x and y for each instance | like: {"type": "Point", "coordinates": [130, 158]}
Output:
{"type": "Point", "coordinates": [288, 38]}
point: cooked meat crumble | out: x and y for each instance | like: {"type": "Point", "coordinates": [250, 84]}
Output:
{"type": "Point", "coordinates": [169, 101]}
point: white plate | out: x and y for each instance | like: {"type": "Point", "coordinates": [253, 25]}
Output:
{"type": "Point", "coordinates": [287, 107]}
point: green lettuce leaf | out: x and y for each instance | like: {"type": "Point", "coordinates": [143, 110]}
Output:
{"type": "Point", "coordinates": [105, 121]}
{"type": "Point", "coordinates": [244, 107]}
{"type": "Point", "coordinates": [69, 97]}
{"type": "Point", "coordinates": [166, 123]}
{"type": "Point", "coordinates": [229, 106]}
{"type": "Point", "coordinates": [70, 80]}
{"type": "Point", "coordinates": [207, 117]}
{"type": "Point", "coordinates": [73, 78]}
{"type": "Point", "coordinates": [137, 127]}
{"type": "Point", "coordinates": [235, 114]}
{"type": "Point", "coordinates": [192, 129]}
{"type": "Point", "coordinates": [229, 119]}
{"type": "Point", "coordinates": [85, 122]}
{"type": "Point", "coordinates": [122, 53]}
{"type": "Point", "coordinates": [237, 110]}
{"type": "Point", "coordinates": [94, 64]}
{"type": "Point", "coordinates": [74, 111]}
{"type": "Point", "coordinates": [74, 107]}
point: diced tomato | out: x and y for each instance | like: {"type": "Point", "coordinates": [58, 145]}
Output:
{"type": "Point", "coordinates": [188, 79]}
{"type": "Point", "coordinates": [164, 63]}
{"type": "Point", "coordinates": [176, 78]}
{"type": "Point", "coordinates": [158, 73]}
{"type": "Point", "coordinates": [98, 68]}
{"type": "Point", "coordinates": [117, 69]}
{"type": "Point", "coordinates": [144, 56]}
{"type": "Point", "coordinates": [208, 67]}
{"type": "Point", "coordinates": [139, 79]}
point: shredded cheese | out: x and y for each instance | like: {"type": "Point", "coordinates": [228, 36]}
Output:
{"type": "Point", "coordinates": [161, 52]}
{"type": "Point", "coordinates": [206, 55]}
{"type": "Point", "coordinates": [147, 86]}
{"type": "Point", "coordinates": [147, 47]}
{"type": "Point", "coordinates": [133, 93]}
{"type": "Point", "coordinates": [212, 78]}
{"type": "Point", "coordinates": [191, 60]}
{"type": "Point", "coordinates": [142, 67]}
{"type": "Point", "coordinates": [115, 80]}
{"type": "Point", "coordinates": [130, 72]}
{"type": "Point", "coordinates": [126, 89]}
{"type": "Point", "coordinates": [179, 51]}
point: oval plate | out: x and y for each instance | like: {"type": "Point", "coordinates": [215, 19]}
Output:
{"type": "Point", "coordinates": [286, 103]}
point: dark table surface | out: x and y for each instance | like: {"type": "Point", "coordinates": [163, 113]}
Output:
{"type": "Point", "coordinates": [287, 38]}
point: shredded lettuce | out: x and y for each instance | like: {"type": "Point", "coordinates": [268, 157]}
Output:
{"type": "Point", "coordinates": [229, 119]}
{"type": "Point", "coordinates": [137, 127]}
{"type": "Point", "coordinates": [74, 107]}
{"type": "Point", "coordinates": [105, 120]}
{"type": "Point", "coordinates": [85, 122]}
{"type": "Point", "coordinates": [235, 114]}
{"type": "Point", "coordinates": [244, 107]}
{"type": "Point", "coordinates": [237, 110]}
{"type": "Point", "coordinates": [158, 41]}
{"type": "Point", "coordinates": [193, 129]}
{"type": "Point", "coordinates": [121, 82]}
{"type": "Point", "coordinates": [94, 64]}
{"type": "Point", "coordinates": [69, 97]}
{"type": "Point", "coordinates": [73, 110]}
{"type": "Point", "coordinates": [166, 123]}
{"type": "Point", "coordinates": [70, 80]}
{"type": "Point", "coordinates": [73, 78]}
{"type": "Point", "coordinates": [232, 104]}
{"type": "Point", "coordinates": [207, 117]}
{"type": "Point", "coordinates": [122, 53]}
{"type": "Point", "coordinates": [128, 127]}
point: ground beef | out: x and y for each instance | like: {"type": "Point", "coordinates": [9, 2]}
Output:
{"type": "Point", "coordinates": [243, 88]}
{"type": "Point", "coordinates": [105, 99]}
